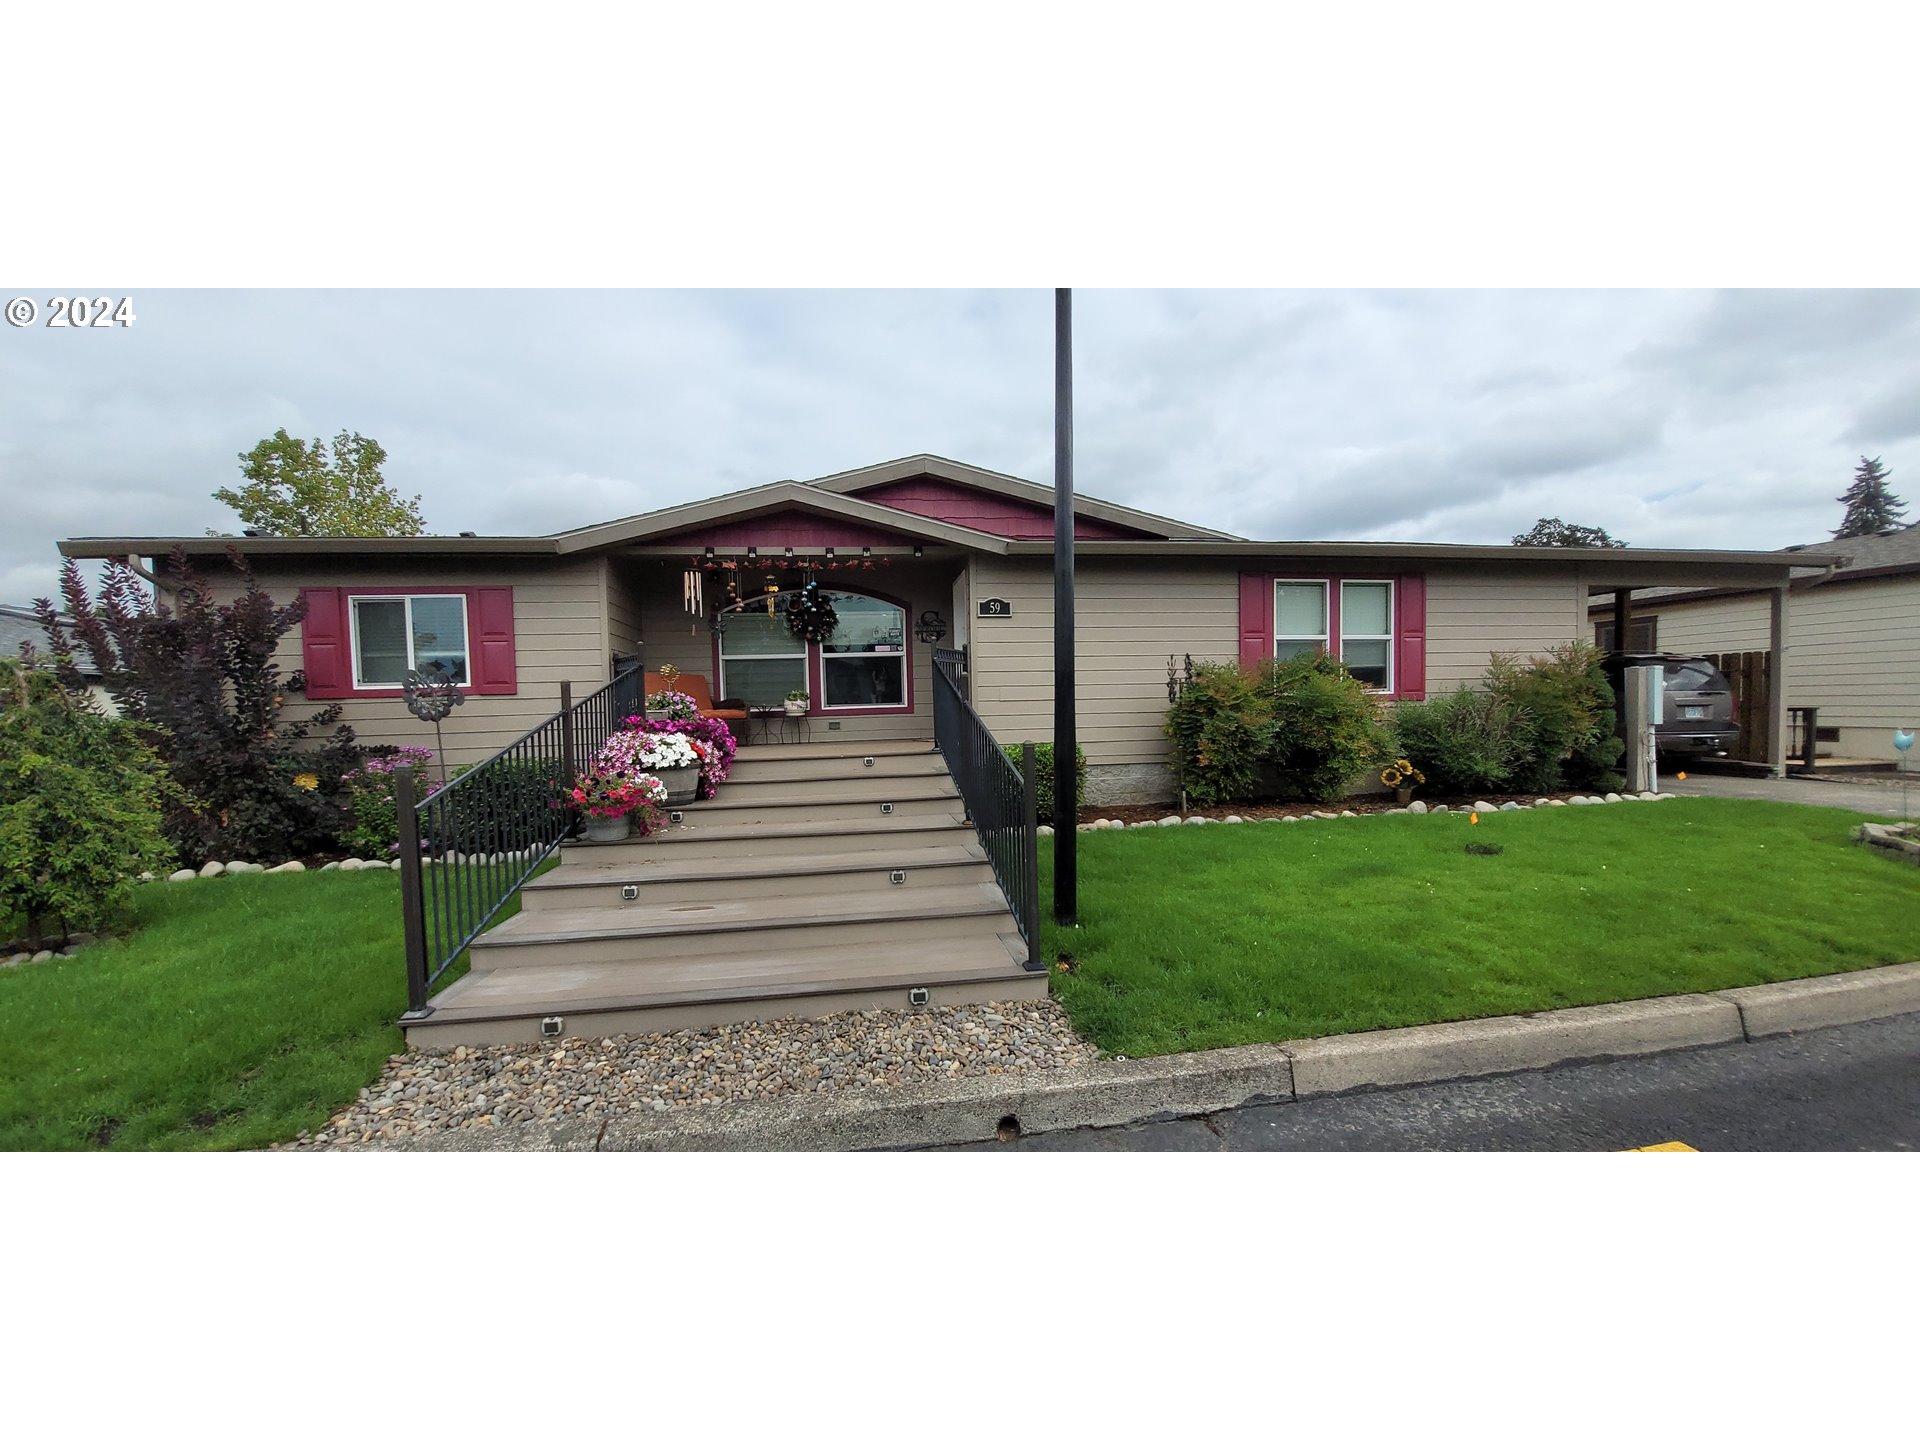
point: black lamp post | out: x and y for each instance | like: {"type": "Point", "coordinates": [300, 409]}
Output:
{"type": "Point", "coordinates": [1066, 867]}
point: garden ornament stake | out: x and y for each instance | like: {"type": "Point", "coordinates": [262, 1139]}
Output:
{"type": "Point", "coordinates": [431, 695]}
{"type": "Point", "coordinates": [1903, 742]}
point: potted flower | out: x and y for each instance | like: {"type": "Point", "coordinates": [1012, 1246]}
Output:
{"type": "Point", "coordinates": [672, 757]}
{"type": "Point", "coordinates": [1400, 777]}
{"type": "Point", "coordinates": [610, 800]}
{"type": "Point", "coordinates": [796, 702]}
{"type": "Point", "coordinates": [672, 705]}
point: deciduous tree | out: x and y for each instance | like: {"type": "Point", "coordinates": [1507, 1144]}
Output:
{"type": "Point", "coordinates": [1555, 531]}
{"type": "Point", "coordinates": [296, 488]}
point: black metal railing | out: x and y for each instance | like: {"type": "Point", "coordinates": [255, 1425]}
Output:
{"type": "Point", "coordinates": [1001, 799]}
{"type": "Point", "coordinates": [466, 849]}
{"type": "Point", "coordinates": [1803, 735]}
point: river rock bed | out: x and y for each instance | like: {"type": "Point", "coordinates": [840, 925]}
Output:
{"type": "Point", "coordinates": [425, 1092]}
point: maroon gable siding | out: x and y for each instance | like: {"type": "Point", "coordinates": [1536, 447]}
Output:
{"type": "Point", "coordinates": [803, 532]}
{"type": "Point", "coordinates": [983, 510]}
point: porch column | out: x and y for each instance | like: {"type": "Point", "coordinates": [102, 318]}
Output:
{"type": "Point", "coordinates": [1777, 683]}
{"type": "Point", "coordinates": [1622, 611]}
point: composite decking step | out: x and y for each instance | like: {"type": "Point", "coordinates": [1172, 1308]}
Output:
{"type": "Point", "coordinates": [506, 1006]}
{"type": "Point", "coordinates": [666, 875]}
{"type": "Point", "coordinates": [734, 798]}
{"type": "Point", "coordinates": [748, 764]}
{"type": "Point", "coordinates": [831, 750]}
{"type": "Point", "coordinates": [786, 837]}
{"type": "Point", "coordinates": [768, 786]}
{"type": "Point", "coordinates": [908, 915]}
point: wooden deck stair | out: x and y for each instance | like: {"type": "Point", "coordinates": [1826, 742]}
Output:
{"type": "Point", "coordinates": [793, 892]}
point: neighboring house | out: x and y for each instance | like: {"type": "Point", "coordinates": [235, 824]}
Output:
{"type": "Point", "coordinates": [910, 547]}
{"type": "Point", "coordinates": [19, 625]}
{"type": "Point", "coordinates": [1852, 635]}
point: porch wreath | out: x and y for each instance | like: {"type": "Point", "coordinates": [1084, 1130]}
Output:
{"type": "Point", "coordinates": [810, 614]}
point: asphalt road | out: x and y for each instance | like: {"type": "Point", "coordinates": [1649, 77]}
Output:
{"type": "Point", "coordinates": [1853, 1087]}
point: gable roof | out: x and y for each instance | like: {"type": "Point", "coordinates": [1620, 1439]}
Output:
{"type": "Point", "coordinates": [908, 467]}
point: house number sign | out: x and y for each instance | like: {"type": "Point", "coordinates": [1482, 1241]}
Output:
{"type": "Point", "coordinates": [995, 609]}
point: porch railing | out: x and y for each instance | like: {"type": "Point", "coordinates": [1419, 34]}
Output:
{"type": "Point", "coordinates": [1001, 799]}
{"type": "Point", "coordinates": [467, 848]}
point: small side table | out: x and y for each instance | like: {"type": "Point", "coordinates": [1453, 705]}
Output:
{"type": "Point", "coordinates": [792, 729]}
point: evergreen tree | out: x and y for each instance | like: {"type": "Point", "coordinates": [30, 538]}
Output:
{"type": "Point", "coordinates": [1871, 506]}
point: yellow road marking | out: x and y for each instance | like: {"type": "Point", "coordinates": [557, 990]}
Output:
{"type": "Point", "coordinates": [1663, 1145]}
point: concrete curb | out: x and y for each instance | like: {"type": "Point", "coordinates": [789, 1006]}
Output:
{"type": "Point", "coordinates": [1127, 1092]}
{"type": "Point", "coordinates": [1458, 1049]}
{"type": "Point", "coordinates": [1827, 1000]}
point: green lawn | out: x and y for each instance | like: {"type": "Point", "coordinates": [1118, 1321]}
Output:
{"type": "Point", "coordinates": [236, 1013]}
{"type": "Point", "coordinates": [1205, 936]}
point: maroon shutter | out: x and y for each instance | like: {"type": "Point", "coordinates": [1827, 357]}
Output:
{"type": "Point", "coordinates": [1256, 619]}
{"type": "Point", "coordinates": [324, 650]}
{"type": "Point", "coordinates": [491, 642]}
{"type": "Point", "coordinates": [1410, 637]}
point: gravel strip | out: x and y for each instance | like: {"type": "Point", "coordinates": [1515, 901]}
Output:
{"type": "Point", "coordinates": [424, 1092]}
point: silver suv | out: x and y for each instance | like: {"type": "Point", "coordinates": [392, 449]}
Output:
{"type": "Point", "coordinates": [1696, 713]}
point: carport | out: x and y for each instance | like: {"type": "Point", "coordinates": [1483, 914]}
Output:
{"type": "Point", "coordinates": [1619, 574]}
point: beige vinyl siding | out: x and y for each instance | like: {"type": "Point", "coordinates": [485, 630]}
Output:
{"type": "Point", "coordinates": [1714, 626]}
{"type": "Point", "coordinates": [1131, 615]}
{"type": "Point", "coordinates": [1128, 617]}
{"type": "Point", "coordinates": [674, 637]}
{"type": "Point", "coordinates": [1471, 614]}
{"type": "Point", "coordinates": [623, 607]}
{"type": "Point", "coordinates": [559, 635]}
{"type": "Point", "coordinates": [1853, 650]}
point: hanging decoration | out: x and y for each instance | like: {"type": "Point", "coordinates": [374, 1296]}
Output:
{"type": "Point", "coordinates": [810, 614]}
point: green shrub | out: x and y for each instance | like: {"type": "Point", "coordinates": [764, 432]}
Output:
{"type": "Point", "coordinates": [81, 801]}
{"type": "Point", "coordinates": [1296, 728]}
{"type": "Point", "coordinates": [1326, 728]}
{"type": "Point", "coordinates": [513, 804]}
{"type": "Point", "coordinates": [1468, 742]}
{"type": "Point", "coordinates": [1043, 777]}
{"type": "Point", "coordinates": [1221, 726]}
{"type": "Point", "coordinates": [1570, 723]}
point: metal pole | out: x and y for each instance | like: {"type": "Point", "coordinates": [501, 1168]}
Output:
{"type": "Point", "coordinates": [413, 915]}
{"type": "Point", "coordinates": [1066, 876]}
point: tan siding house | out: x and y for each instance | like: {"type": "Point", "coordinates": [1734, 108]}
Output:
{"type": "Point", "coordinates": [1853, 638]}
{"type": "Point", "coordinates": [917, 554]}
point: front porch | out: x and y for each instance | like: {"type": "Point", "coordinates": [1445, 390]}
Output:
{"type": "Point", "coordinates": [825, 876]}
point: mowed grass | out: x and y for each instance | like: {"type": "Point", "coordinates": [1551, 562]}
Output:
{"type": "Point", "coordinates": [234, 1014]}
{"type": "Point", "coordinates": [1203, 936]}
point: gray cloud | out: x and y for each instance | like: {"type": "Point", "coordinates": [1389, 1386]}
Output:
{"type": "Point", "coordinates": [1684, 418]}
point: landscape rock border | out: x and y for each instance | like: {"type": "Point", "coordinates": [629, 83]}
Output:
{"type": "Point", "coordinates": [1128, 1092]}
{"type": "Point", "coordinates": [1417, 807]}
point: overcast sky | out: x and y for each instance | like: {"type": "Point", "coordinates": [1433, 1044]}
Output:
{"type": "Point", "coordinates": [1682, 418]}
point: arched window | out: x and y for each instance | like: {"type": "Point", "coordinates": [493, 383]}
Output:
{"type": "Point", "coordinates": [862, 665]}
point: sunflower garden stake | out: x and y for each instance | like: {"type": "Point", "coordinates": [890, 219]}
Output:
{"type": "Point", "coordinates": [432, 696]}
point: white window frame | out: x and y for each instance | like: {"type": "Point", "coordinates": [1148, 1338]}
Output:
{"type": "Point", "coordinates": [1386, 689]}
{"type": "Point", "coordinates": [904, 655]}
{"type": "Point", "coordinates": [353, 633]}
{"type": "Point", "coordinates": [806, 680]}
{"type": "Point", "coordinates": [1325, 639]}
